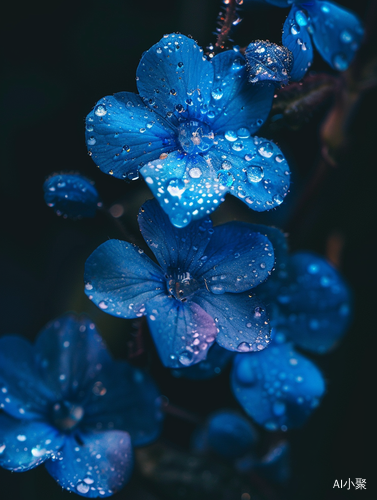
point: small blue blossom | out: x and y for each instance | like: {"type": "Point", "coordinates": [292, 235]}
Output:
{"type": "Point", "coordinates": [69, 405]}
{"type": "Point", "coordinates": [335, 31]}
{"type": "Point", "coordinates": [309, 306]}
{"type": "Point", "coordinates": [188, 132]}
{"type": "Point", "coordinates": [71, 195]}
{"type": "Point", "coordinates": [200, 292]}
{"type": "Point", "coordinates": [226, 433]}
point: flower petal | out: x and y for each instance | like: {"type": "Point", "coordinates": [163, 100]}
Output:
{"type": "Point", "coordinates": [23, 393]}
{"type": "Point", "coordinates": [122, 133]}
{"type": "Point", "coordinates": [174, 248]}
{"type": "Point", "coordinates": [268, 62]}
{"type": "Point", "coordinates": [120, 279]}
{"type": "Point", "coordinates": [69, 353]}
{"type": "Point", "coordinates": [240, 318]}
{"type": "Point", "coordinates": [237, 258]}
{"type": "Point", "coordinates": [71, 195]}
{"type": "Point", "coordinates": [297, 39]}
{"type": "Point", "coordinates": [97, 468]}
{"type": "Point", "coordinates": [242, 104]}
{"type": "Point", "coordinates": [254, 169]}
{"type": "Point", "coordinates": [186, 186]}
{"type": "Point", "coordinates": [278, 387]}
{"type": "Point", "coordinates": [337, 33]}
{"type": "Point", "coordinates": [216, 360]}
{"type": "Point", "coordinates": [314, 303]}
{"type": "Point", "coordinates": [125, 398]}
{"type": "Point", "coordinates": [182, 331]}
{"type": "Point", "coordinates": [25, 444]}
{"type": "Point", "coordinates": [175, 76]}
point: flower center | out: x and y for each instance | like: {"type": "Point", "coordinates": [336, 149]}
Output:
{"type": "Point", "coordinates": [182, 286]}
{"type": "Point", "coordinates": [195, 136]}
{"type": "Point", "coordinates": [65, 415]}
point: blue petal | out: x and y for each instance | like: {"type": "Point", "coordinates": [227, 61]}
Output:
{"type": "Point", "coordinates": [314, 302]}
{"type": "Point", "coordinates": [98, 468]}
{"type": "Point", "coordinates": [122, 133]}
{"type": "Point", "coordinates": [230, 435]}
{"type": "Point", "coordinates": [25, 444]}
{"type": "Point", "coordinates": [278, 387]}
{"type": "Point", "coordinates": [241, 104]}
{"type": "Point", "coordinates": [71, 195]}
{"type": "Point", "coordinates": [186, 186]}
{"type": "Point", "coordinates": [69, 353]}
{"type": "Point", "coordinates": [268, 62]}
{"type": "Point", "coordinates": [182, 331]}
{"type": "Point", "coordinates": [216, 360]}
{"type": "Point", "coordinates": [125, 398]}
{"type": "Point", "coordinates": [175, 76]}
{"type": "Point", "coordinates": [240, 318]}
{"type": "Point", "coordinates": [120, 279]}
{"type": "Point", "coordinates": [254, 169]}
{"type": "Point", "coordinates": [237, 259]}
{"type": "Point", "coordinates": [337, 33]}
{"type": "Point", "coordinates": [23, 393]}
{"type": "Point", "coordinates": [174, 248]}
{"type": "Point", "coordinates": [297, 39]}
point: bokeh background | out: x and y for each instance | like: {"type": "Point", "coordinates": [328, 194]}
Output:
{"type": "Point", "coordinates": [58, 59]}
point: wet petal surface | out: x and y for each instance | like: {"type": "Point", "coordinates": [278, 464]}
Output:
{"type": "Point", "coordinates": [121, 279]}
{"type": "Point", "coordinates": [25, 444]}
{"type": "Point", "coordinates": [277, 387]}
{"type": "Point", "coordinates": [97, 467]}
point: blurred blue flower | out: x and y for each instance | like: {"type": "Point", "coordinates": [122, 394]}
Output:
{"type": "Point", "coordinates": [335, 31]}
{"type": "Point", "coordinates": [189, 132]}
{"type": "Point", "coordinates": [68, 404]}
{"type": "Point", "coordinates": [226, 433]}
{"type": "Point", "coordinates": [200, 291]}
{"type": "Point", "coordinates": [309, 306]}
{"type": "Point", "coordinates": [71, 195]}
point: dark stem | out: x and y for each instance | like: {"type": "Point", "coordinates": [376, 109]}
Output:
{"type": "Point", "coordinates": [226, 19]}
{"type": "Point", "coordinates": [126, 235]}
{"type": "Point", "coordinates": [175, 411]}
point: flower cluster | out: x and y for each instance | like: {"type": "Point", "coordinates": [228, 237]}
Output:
{"type": "Point", "coordinates": [210, 293]}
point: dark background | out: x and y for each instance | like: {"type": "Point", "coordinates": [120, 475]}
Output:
{"type": "Point", "coordinates": [58, 59]}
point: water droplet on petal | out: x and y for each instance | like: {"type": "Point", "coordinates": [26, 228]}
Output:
{"type": "Point", "coordinates": [100, 110]}
{"type": "Point", "coordinates": [266, 149]}
{"type": "Point", "coordinates": [278, 408]}
{"type": "Point", "coordinates": [195, 172]}
{"type": "Point", "coordinates": [340, 61]}
{"type": "Point", "coordinates": [301, 18]}
{"type": "Point", "coordinates": [82, 488]}
{"type": "Point", "coordinates": [186, 357]}
{"type": "Point", "coordinates": [243, 347]}
{"type": "Point", "coordinates": [230, 135]}
{"type": "Point", "coordinates": [255, 174]}
{"type": "Point", "coordinates": [217, 94]}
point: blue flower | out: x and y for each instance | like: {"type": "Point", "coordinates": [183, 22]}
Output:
{"type": "Point", "coordinates": [309, 306]}
{"type": "Point", "coordinates": [200, 291]}
{"type": "Point", "coordinates": [189, 131]}
{"type": "Point", "coordinates": [68, 404]}
{"type": "Point", "coordinates": [268, 62]}
{"type": "Point", "coordinates": [335, 31]}
{"type": "Point", "coordinates": [71, 195]}
{"type": "Point", "coordinates": [227, 433]}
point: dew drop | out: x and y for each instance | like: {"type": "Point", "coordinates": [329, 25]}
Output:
{"type": "Point", "coordinates": [217, 94]}
{"type": "Point", "coordinates": [243, 347]}
{"type": "Point", "coordinates": [340, 61]}
{"type": "Point", "coordinates": [82, 488]}
{"type": "Point", "coordinates": [266, 149]}
{"type": "Point", "coordinates": [255, 174]}
{"type": "Point", "coordinates": [103, 305]}
{"type": "Point", "coordinates": [91, 141]}
{"type": "Point", "coordinates": [346, 36]}
{"type": "Point", "coordinates": [243, 133]}
{"type": "Point", "coordinates": [230, 136]}
{"type": "Point", "coordinates": [301, 18]}
{"type": "Point", "coordinates": [185, 358]}
{"type": "Point", "coordinates": [195, 172]}
{"type": "Point", "coordinates": [100, 110]}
